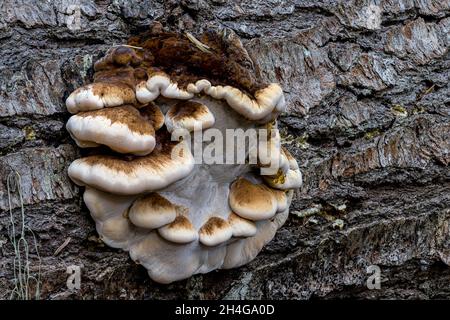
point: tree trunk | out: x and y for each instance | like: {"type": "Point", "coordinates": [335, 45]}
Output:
{"type": "Point", "coordinates": [368, 120]}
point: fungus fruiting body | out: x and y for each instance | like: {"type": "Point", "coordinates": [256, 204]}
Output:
{"type": "Point", "coordinates": [147, 193]}
{"type": "Point", "coordinates": [122, 129]}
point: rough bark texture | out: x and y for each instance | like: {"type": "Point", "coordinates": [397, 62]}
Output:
{"type": "Point", "coordinates": [368, 88]}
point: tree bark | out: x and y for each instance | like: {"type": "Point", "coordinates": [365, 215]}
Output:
{"type": "Point", "coordinates": [368, 120]}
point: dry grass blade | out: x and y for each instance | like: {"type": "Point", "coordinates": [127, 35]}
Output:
{"type": "Point", "coordinates": [201, 46]}
{"type": "Point", "coordinates": [127, 45]}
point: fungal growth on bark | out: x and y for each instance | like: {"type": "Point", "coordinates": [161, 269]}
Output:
{"type": "Point", "coordinates": [148, 192]}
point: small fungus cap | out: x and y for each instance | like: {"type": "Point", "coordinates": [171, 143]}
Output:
{"type": "Point", "coordinates": [215, 231]}
{"type": "Point", "coordinates": [241, 227]}
{"type": "Point", "coordinates": [122, 129]}
{"type": "Point", "coordinates": [180, 230]}
{"type": "Point", "coordinates": [189, 115]}
{"type": "Point", "coordinates": [252, 201]}
{"type": "Point", "coordinates": [292, 179]}
{"type": "Point", "coordinates": [152, 211]}
{"type": "Point", "coordinates": [99, 95]}
{"type": "Point", "coordinates": [169, 162]}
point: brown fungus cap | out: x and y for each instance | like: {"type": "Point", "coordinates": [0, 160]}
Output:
{"type": "Point", "coordinates": [114, 82]}
{"type": "Point", "coordinates": [152, 211]}
{"type": "Point", "coordinates": [241, 227]}
{"type": "Point", "coordinates": [291, 179]}
{"type": "Point", "coordinates": [189, 115]}
{"type": "Point", "coordinates": [252, 201]}
{"type": "Point", "coordinates": [100, 95]}
{"type": "Point", "coordinates": [178, 66]}
{"type": "Point", "coordinates": [169, 162]}
{"type": "Point", "coordinates": [245, 250]}
{"type": "Point", "coordinates": [123, 129]}
{"type": "Point", "coordinates": [180, 230]}
{"type": "Point", "coordinates": [282, 199]}
{"type": "Point", "coordinates": [215, 231]}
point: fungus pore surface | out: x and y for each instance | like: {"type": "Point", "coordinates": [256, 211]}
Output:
{"type": "Point", "coordinates": [178, 214]}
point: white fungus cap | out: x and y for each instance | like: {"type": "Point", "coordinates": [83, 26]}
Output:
{"type": "Point", "coordinates": [116, 231]}
{"type": "Point", "coordinates": [215, 231]}
{"type": "Point", "coordinates": [119, 175]}
{"type": "Point", "coordinates": [270, 155]}
{"type": "Point", "coordinates": [99, 95]}
{"type": "Point", "coordinates": [292, 179]}
{"type": "Point", "coordinates": [152, 211]}
{"type": "Point", "coordinates": [293, 165]}
{"type": "Point", "coordinates": [241, 227]}
{"type": "Point", "coordinates": [180, 230]}
{"type": "Point", "coordinates": [245, 250]}
{"type": "Point", "coordinates": [157, 84]}
{"type": "Point", "coordinates": [282, 199]}
{"type": "Point", "coordinates": [266, 100]}
{"type": "Point", "coordinates": [166, 261]}
{"type": "Point", "coordinates": [122, 129]}
{"type": "Point", "coordinates": [189, 115]}
{"type": "Point", "coordinates": [252, 201]}
{"type": "Point", "coordinates": [104, 205]}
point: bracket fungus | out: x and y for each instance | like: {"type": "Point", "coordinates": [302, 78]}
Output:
{"type": "Point", "coordinates": [147, 193]}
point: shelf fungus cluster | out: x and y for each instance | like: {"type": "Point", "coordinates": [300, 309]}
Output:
{"type": "Point", "coordinates": [145, 190]}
